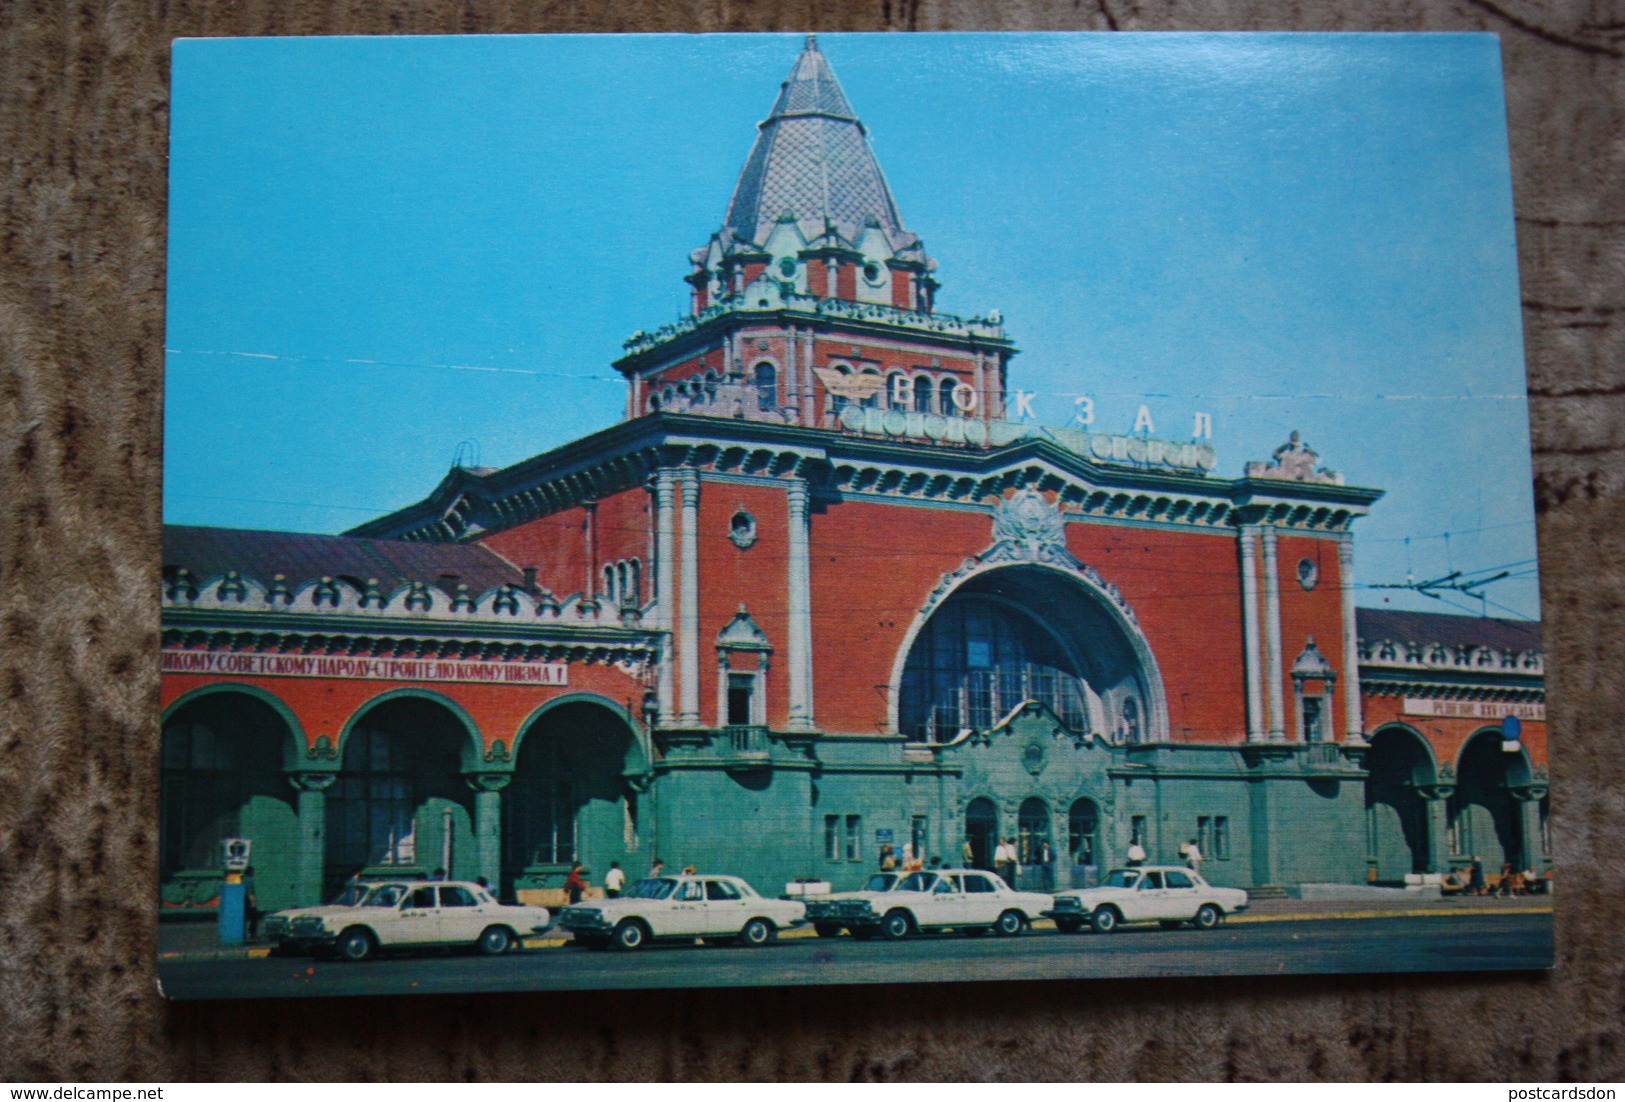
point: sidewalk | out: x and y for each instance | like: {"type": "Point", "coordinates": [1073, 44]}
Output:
{"type": "Point", "coordinates": [199, 941]}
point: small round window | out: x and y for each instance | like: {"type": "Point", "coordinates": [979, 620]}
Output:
{"type": "Point", "coordinates": [1308, 573]}
{"type": "Point", "coordinates": [787, 267]}
{"type": "Point", "coordinates": [871, 272]}
{"type": "Point", "coordinates": [742, 530]}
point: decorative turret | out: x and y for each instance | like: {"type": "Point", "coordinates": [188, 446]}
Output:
{"type": "Point", "coordinates": [812, 209]}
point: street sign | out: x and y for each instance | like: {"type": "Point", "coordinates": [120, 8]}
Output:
{"type": "Point", "coordinates": [883, 836]}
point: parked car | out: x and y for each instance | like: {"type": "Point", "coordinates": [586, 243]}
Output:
{"type": "Point", "coordinates": [968, 900]}
{"type": "Point", "coordinates": [1168, 894]}
{"type": "Point", "coordinates": [720, 909]}
{"type": "Point", "coordinates": [824, 911]}
{"type": "Point", "coordinates": [415, 914]}
{"type": "Point", "coordinates": [278, 925]}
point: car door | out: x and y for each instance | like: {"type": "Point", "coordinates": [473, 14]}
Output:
{"type": "Point", "coordinates": [1180, 895]}
{"type": "Point", "coordinates": [947, 903]}
{"type": "Point", "coordinates": [417, 922]}
{"type": "Point", "coordinates": [1147, 900]}
{"type": "Point", "coordinates": [724, 908]}
{"type": "Point", "coordinates": [983, 901]}
{"type": "Point", "coordinates": [461, 919]}
{"type": "Point", "coordinates": [686, 912]}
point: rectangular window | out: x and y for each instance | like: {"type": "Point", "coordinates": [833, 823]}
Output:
{"type": "Point", "coordinates": [832, 837]}
{"type": "Point", "coordinates": [854, 837]}
{"type": "Point", "coordinates": [1204, 835]}
{"type": "Point", "coordinates": [740, 686]}
{"type": "Point", "coordinates": [1311, 719]}
{"type": "Point", "coordinates": [1221, 836]}
{"type": "Point", "coordinates": [1136, 830]}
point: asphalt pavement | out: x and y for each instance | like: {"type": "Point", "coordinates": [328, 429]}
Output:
{"type": "Point", "coordinates": [1448, 936]}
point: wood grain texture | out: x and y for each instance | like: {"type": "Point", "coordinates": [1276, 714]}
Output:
{"type": "Point", "coordinates": [83, 134]}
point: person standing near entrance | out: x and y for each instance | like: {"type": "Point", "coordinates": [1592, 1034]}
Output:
{"type": "Point", "coordinates": [1193, 856]}
{"type": "Point", "coordinates": [1005, 861]}
{"type": "Point", "coordinates": [614, 880]}
{"type": "Point", "coordinates": [657, 869]}
{"type": "Point", "coordinates": [1046, 865]}
{"type": "Point", "coordinates": [969, 855]}
{"type": "Point", "coordinates": [575, 885]}
{"type": "Point", "coordinates": [1136, 854]}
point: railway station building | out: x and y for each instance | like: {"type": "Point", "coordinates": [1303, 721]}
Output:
{"type": "Point", "coordinates": [818, 594]}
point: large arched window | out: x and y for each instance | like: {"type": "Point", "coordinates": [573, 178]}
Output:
{"type": "Point", "coordinates": [1032, 831]}
{"type": "Point", "coordinates": [1396, 815]}
{"type": "Point", "coordinates": [767, 387]}
{"type": "Point", "coordinates": [945, 397]}
{"type": "Point", "coordinates": [218, 754]}
{"type": "Point", "coordinates": [1020, 634]}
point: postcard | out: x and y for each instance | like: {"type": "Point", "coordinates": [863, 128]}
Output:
{"type": "Point", "coordinates": [685, 511]}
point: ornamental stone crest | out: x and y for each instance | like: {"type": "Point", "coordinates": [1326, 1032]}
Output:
{"type": "Point", "coordinates": [1028, 527]}
{"type": "Point", "coordinates": [1294, 461]}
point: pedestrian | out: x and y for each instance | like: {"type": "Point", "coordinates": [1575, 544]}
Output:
{"type": "Point", "coordinates": [1005, 861]}
{"type": "Point", "coordinates": [251, 905]}
{"type": "Point", "coordinates": [658, 868]}
{"type": "Point", "coordinates": [1136, 854]}
{"type": "Point", "coordinates": [575, 885]}
{"type": "Point", "coordinates": [438, 874]}
{"type": "Point", "coordinates": [969, 855]}
{"type": "Point", "coordinates": [912, 862]}
{"type": "Point", "coordinates": [888, 859]}
{"type": "Point", "coordinates": [1046, 864]}
{"type": "Point", "coordinates": [690, 870]}
{"type": "Point", "coordinates": [1475, 877]}
{"type": "Point", "coordinates": [1193, 856]}
{"type": "Point", "coordinates": [614, 880]}
{"type": "Point", "coordinates": [936, 863]}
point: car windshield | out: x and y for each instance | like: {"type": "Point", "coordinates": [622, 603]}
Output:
{"type": "Point", "coordinates": [652, 889]}
{"type": "Point", "coordinates": [880, 882]}
{"type": "Point", "coordinates": [352, 895]}
{"type": "Point", "coordinates": [1120, 878]}
{"type": "Point", "coordinates": [917, 882]}
{"type": "Point", "coordinates": [386, 895]}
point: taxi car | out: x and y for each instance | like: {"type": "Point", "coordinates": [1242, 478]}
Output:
{"type": "Point", "coordinates": [412, 914]}
{"type": "Point", "coordinates": [968, 900]}
{"type": "Point", "coordinates": [1170, 894]}
{"type": "Point", "coordinates": [823, 910]}
{"type": "Point", "coordinates": [278, 925]}
{"type": "Point", "coordinates": [719, 909]}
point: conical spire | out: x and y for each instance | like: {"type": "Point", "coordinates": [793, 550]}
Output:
{"type": "Point", "coordinates": [812, 164]}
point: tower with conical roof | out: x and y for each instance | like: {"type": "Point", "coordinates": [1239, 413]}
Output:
{"type": "Point", "coordinates": [814, 296]}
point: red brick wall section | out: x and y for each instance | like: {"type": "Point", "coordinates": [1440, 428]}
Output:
{"type": "Point", "coordinates": [557, 545]}
{"type": "Point", "coordinates": [1316, 613]}
{"type": "Point", "coordinates": [756, 577]}
{"type": "Point", "coordinates": [1448, 734]}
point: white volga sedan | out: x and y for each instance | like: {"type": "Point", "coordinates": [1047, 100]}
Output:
{"type": "Point", "coordinates": [823, 911]}
{"type": "Point", "coordinates": [409, 914]}
{"type": "Point", "coordinates": [1168, 894]}
{"type": "Point", "coordinates": [720, 909]}
{"type": "Point", "coordinates": [968, 900]}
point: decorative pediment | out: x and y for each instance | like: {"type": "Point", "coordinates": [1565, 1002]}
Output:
{"type": "Point", "coordinates": [1294, 461]}
{"type": "Point", "coordinates": [1029, 527]}
{"type": "Point", "coordinates": [742, 633]}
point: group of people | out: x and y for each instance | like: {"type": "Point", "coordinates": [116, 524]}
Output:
{"type": "Point", "coordinates": [1512, 881]}
{"type": "Point", "coordinates": [577, 883]}
{"type": "Point", "coordinates": [908, 861]}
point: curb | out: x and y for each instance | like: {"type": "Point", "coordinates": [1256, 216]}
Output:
{"type": "Point", "coordinates": [257, 953]}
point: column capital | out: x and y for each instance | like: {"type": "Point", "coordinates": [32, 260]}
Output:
{"type": "Point", "coordinates": [690, 481]}
{"type": "Point", "coordinates": [487, 782]}
{"type": "Point", "coordinates": [306, 781]}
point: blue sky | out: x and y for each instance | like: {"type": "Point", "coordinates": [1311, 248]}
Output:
{"type": "Point", "coordinates": [383, 247]}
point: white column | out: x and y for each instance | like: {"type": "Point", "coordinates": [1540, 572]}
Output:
{"type": "Point", "coordinates": [800, 633]}
{"type": "Point", "coordinates": [1353, 723]}
{"type": "Point", "coordinates": [792, 376]}
{"type": "Point", "coordinates": [688, 644]}
{"type": "Point", "coordinates": [1249, 630]}
{"type": "Point", "coordinates": [666, 584]}
{"type": "Point", "coordinates": [1272, 637]}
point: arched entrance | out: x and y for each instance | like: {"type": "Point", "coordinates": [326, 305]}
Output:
{"type": "Point", "coordinates": [1083, 840]}
{"type": "Point", "coordinates": [1033, 844]}
{"type": "Point", "coordinates": [569, 799]}
{"type": "Point", "coordinates": [1485, 819]}
{"type": "Point", "coordinates": [1025, 632]}
{"type": "Point", "coordinates": [982, 832]}
{"type": "Point", "coordinates": [400, 802]}
{"type": "Point", "coordinates": [1398, 763]}
{"type": "Point", "coordinates": [222, 776]}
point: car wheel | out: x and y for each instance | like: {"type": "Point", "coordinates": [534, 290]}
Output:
{"type": "Point", "coordinates": [896, 925]}
{"type": "Point", "coordinates": [824, 929]}
{"type": "Point", "coordinates": [356, 944]}
{"type": "Point", "coordinates": [757, 933]}
{"type": "Point", "coordinates": [1068, 925]}
{"type": "Point", "coordinates": [495, 941]}
{"type": "Point", "coordinates": [865, 933]}
{"type": "Point", "coordinates": [629, 935]}
{"type": "Point", "coordinates": [1207, 917]}
{"type": "Point", "coordinates": [1009, 924]}
{"type": "Point", "coordinates": [1103, 921]}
